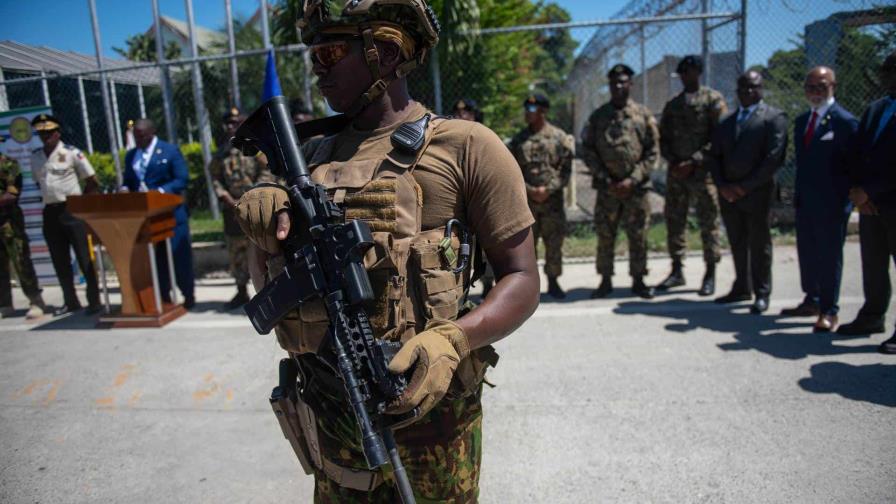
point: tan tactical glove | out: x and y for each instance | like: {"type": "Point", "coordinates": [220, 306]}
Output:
{"type": "Point", "coordinates": [256, 213]}
{"type": "Point", "coordinates": [436, 352]}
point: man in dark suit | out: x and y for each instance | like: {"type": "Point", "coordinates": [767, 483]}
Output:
{"type": "Point", "coordinates": [873, 177]}
{"type": "Point", "coordinates": [747, 149]}
{"type": "Point", "coordinates": [822, 137]}
{"type": "Point", "coordinates": [155, 165]}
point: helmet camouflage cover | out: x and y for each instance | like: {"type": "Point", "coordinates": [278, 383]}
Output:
{"type": "Point", "coordinates": [414, 16]}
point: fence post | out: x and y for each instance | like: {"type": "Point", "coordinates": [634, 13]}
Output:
{"type": "Point", "coordinates": [205, 133]}
{"type": "Point", "coordinates": [436, 79]}
{"type": "Point", "coordinates": [107, 108]}
{"type": "Point", "coordinates": [642, 39]}
{"type": "Point", "coordinates": [231, 44]}
{"type": "Point", "coordinates": [306, 83]}
{"type": "Point", "coordinates": [45, 88]}
{"type": "Point", "coordinates": [84, 116]}
{"type": "Point", "coordinates": [742, 36]}
{"type": "Point", "coordinates": [265, 32]}
{"type": "Point", "coordinates": [164, 76]}
{"type": "Point", "coordinates": [115, 113]}
{"type": "Point", "coordinates": [704, 45]}
{"type": "Point", "coordinates": [4, 102]}
{"type": "Point", "coordinates": [141, 100]}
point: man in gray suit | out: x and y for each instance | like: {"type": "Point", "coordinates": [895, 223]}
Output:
{"type": "Point", "coordinates": [748, 147]}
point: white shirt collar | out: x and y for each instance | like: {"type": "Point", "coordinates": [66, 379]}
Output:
{"type": "Point", "coordinates": [823, 108]}
{"type": "Point", "coordinates": [146, 154]}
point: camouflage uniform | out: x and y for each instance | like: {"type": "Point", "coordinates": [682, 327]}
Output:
{"type": "Point", "coordinates": [685, 130]}
{"type": "Point", "coordinates": [620, 144]}
{"type": "Point", "coordinates": [15, 241]}
{"type": "Point", "coordinates": [234, 173]}
{"type": "Point", "coordinates": [546, 160]}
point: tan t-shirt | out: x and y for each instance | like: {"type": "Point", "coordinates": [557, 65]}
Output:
{"type": "Point", "coordinates": [466, 172]}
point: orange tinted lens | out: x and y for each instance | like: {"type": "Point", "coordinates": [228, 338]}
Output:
{"type": "Point", "coordinates": [330, 53]}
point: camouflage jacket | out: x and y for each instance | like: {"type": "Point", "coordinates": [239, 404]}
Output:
{"type": "Point", "coordinates": [545, 157]}
{"type": "Point", "coordinates": [620, 144]}
{"type": "Point", "coordinates": [10, 182]}
{"type": "Point", "coordinates": [234, 174]}
{"type": "Point", "coordinates": [685, 128]}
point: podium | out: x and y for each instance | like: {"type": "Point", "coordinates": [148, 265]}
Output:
{"type": "Point", "coordinates": [129, 225]}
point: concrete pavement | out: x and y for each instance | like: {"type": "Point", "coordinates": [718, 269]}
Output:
{"type": "Point", "coordinates": [617, 400]}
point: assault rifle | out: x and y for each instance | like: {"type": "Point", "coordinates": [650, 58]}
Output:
{"type": "Point", "coordinates": [324, 260]}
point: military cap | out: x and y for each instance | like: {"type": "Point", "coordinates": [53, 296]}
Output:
{"type": "Point", "coordinates": [537, 100]}
{"type": "Point", "coordinates": [619, 70]}
{"type": "Point", "coordinates": [231, 114]}
{"type": "Point", "coordinates": [45, 122]}
{"type": "Point", "coordinates": [690, 61]}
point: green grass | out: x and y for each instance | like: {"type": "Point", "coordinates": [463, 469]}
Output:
{"type": "Point", "coordinates": [204, 229]}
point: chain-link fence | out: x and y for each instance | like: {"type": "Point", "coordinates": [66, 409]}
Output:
{"type": "Point", "coordinates": [497, 55]}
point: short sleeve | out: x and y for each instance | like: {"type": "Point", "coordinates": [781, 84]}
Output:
{"type": "Point", "coordinates": [82, 165]}
{"type": "Point", "coordinates": [494, 187]}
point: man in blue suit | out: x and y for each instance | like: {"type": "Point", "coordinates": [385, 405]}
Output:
{"type": "Point", "coordinates": [155, 165]}
{"type": "Point", "coordinates": [873, 177]}
{"type": "Point", "coordinates": [823, 136]}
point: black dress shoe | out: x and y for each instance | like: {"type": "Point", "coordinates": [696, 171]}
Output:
{"type": "Point", "coordinates": [805, 309]}
{"type": "Point", "coordinates": [889, 346]}
{"type": "Point", "coordinates": [554, 289]}
{"type": "Point", "coordinates": [189, 302]}
{"type": "Point", "coordinates": [675, 279]}
{"type": "Point", "coordinates": [759, 306]}
{"type": "Point", "coordinates": [641, 290]}
{"type": "Point", "coordinates": [239, 300]}
{"type": "Point", "coordinates": [860, 327]}
{"type": "Point", "coordinates": [64, 309]}
{"type": "Point", "coordinates": [734, 297]}
{"type": "Point", "coordinates": [603, 290]}
{"type": "Point", "coordinates": [708, 287]}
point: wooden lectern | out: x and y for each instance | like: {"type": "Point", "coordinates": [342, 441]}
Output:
{"type": "Point", "coordinates": [129, 225]}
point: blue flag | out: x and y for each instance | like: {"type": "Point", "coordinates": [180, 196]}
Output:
{"type": "Point", "coordinates": [271, 81]}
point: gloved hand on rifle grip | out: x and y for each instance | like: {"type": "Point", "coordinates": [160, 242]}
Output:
{"type": "Point", "coordinates": [261, 214]}
{"type": "Point", "coordinates": [434, 355]}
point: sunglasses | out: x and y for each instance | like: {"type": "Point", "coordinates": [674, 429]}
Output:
{"type": "Point", "coordinates": [815, 88]}
{"type": "Point", "coordinates": [330, 53]}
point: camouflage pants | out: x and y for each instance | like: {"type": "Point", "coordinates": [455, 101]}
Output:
{"type": "Point", "coordinates": [238, 251]}
{"type": "Point", "coordinates": [441, 452]}
{"type": "Point", "coordinates": [634, 215]}
{"type": "Point", "coordinates": [679, 194]}
{"type": "Point", "coordinates": [550, 225]}
{"type": "Point", "coordinates": [15, 250]}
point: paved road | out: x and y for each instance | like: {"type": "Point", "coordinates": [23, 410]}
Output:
{"type": "Point", "coordinates": [617, 400]}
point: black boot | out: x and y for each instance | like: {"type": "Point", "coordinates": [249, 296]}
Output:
{"type": "Point", "coordinates": [605, 288]}
{"type": "Point", "coordinates": [554, 289]}
{"type": "Point", "coordinates": [675, 279]}
{"type": "Point", "coordinates": [241, 298]}
{"type": "Point", "coordinates": [640, 289]}
{"type": "Point", "coordinates": [708, 287]}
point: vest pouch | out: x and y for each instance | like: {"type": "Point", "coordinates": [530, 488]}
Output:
{"type": "Point", "coordinates": [471, 371]}
{"type": "Point", "coordinates": [303, 330]}
{"type": "Point", "coordinates": [439, 290]}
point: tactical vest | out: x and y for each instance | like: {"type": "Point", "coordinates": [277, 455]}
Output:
{"type": "Point", "coordinates": [618, 140]}
{"type": "Point", "coordinates": [409, 270]}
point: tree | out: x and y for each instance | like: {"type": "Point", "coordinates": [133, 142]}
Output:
{"type": "Point", "coordinates": [142, 47]}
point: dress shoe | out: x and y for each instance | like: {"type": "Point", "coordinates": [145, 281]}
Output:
{"type": "Point", "coordinates": [604, 289]}
{"type": "Point", "coordinates": [860, 327]}
{"type": "Point", "coordinates": [675, 279]}
{"type": "Point", "coordinates": [759, 306]}
{"type": "Point", "coordinates": [7, 311]}
{"type": "Point", "coordinates": [64, 309]}
{"type": "Point", "coordinates": [189, 302]}
{"type": "Point", "coordinates": [640, 289]}
{"type": "Point", "coordinates": [241, 298]}
{"type": "Point", "coordinates": [825, 324]}
{"type": "Point", "coordinates": [805, 309]}
{"type": "Point", "coordinates": [708, 287]}
{"type": "Point", "coordinates": [734, 297]}
{"type": "Point", "coordinates": [889, 346]}
{"type": "Point", "coordinates": [554, 289]}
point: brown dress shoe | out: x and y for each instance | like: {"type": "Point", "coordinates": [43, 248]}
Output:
{"type": "Point", "coordinates": [825, 324]}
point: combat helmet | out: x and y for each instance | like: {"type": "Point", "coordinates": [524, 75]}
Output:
{"type": "Point", "coordinates": [362, 18]}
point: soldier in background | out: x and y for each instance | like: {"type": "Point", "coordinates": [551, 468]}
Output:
{"type": "Point", "coordinates": [233, 174]}
{"type": "Point", "coordinates": [621, 147]}
{"type": "Point", "coordinates": [545, 154]}
{"type": "Point", "coordinates": [14, 248]}
{"type": "Point", "coordinates": [685, 130]}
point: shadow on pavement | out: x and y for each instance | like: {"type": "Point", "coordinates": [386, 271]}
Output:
{"type": "Point", "coordinates": [873, 383]}
{"type": "Point", "coordinates": [751, 332]}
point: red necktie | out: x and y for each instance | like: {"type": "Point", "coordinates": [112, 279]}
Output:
{"type": "Point", "coordinates": [810, 131]}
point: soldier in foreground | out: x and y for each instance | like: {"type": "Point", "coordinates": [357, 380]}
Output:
{"type": "Point", "coordinates": [545, 154]}
{"type": "Point", "coordinates": [361, 54]}
{"type": "Point", "coordinates": [685, 129]}
{"type": "Point", "coordinates": [15, 243]}
{"type": "Point", "coordinates": [233, 174]}
{"type": "Point", "coordinates": [621, 147]}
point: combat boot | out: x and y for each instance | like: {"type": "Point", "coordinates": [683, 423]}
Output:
{"type": "Point", "coordinates": [7, 311]}
{"type": "Point", "coordinates": [708, 287]}
{"type": "Point", "coordinates": [37, 308]}
{"type": "Point", "coordinates": [640, 289]}
{"type": "Point", "coordinates": [604, 289]}
{"type": "Point", "coordinates": [554, 289]}
{"type": "Point", "coordinates": [241, 298]}
{"type": "Point", "coordinates": [675, 279]}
